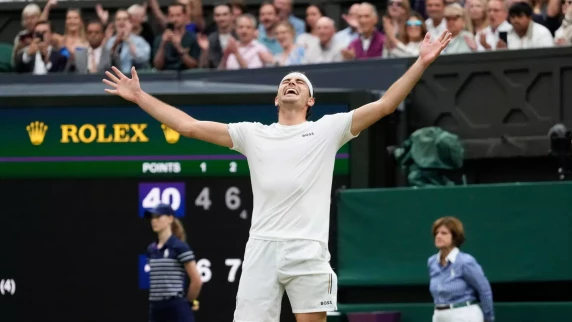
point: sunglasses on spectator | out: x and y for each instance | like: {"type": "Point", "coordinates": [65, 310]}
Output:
{"type": "Point", "coordinates": [395, 3]}
{"type": "Point", "coordinates": [415, 23]}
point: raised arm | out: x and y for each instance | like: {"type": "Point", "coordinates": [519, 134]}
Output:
{"type": "Point", "coordinates": [130, 89]}
{"type": "Point", "coordinates": [368, 114]}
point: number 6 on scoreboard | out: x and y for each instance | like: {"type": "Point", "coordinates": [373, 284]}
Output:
{"type": "Point", "coordinates": [172, 193]}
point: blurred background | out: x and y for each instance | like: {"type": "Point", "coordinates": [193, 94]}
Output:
{"type": "Point", "coordinates": [484, 136]}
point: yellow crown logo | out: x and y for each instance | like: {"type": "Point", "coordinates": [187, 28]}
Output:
{"type": "Point", "coordinates": [171, 136]}
{"type": "Point", "coordinates": [37, 132]}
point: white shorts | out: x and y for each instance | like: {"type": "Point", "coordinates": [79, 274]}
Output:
{"type": "Point", "coordinates": [299, 267]}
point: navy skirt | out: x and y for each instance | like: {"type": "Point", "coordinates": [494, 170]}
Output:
{"type": "Point", "coordinates": [173, 310]}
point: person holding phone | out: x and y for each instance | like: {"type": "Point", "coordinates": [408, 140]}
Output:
{"type": "Point", "coordinates": [40, 57]}
{"type": "Point", "coordinates": [495, 34]}
{"type": "Point", "coordinates": [30, 16]}
{"type": "Point", "coordinates": [176, 49]}
{"type": "Point", "coordinates": [170, 261]}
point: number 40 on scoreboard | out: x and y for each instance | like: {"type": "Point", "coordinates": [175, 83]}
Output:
{"type": "Point", "coordinates": [172, 193]}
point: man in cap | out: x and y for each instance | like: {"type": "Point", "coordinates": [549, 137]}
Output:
{"type": "Point", "coordinates": [291, 164]}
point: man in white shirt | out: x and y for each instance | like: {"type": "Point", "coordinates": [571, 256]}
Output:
{"type": "Point", "coordinates": [329, 48]}
{"type": "Point", "coordinates": [488, 38]}
{"type": "Point", "coordinates": [436, 23]}
{"type": "Point", "coordinates": [526, 33]}
{"type": "Point", "coordinates": [291, 164]}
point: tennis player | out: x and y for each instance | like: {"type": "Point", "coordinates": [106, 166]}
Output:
{"type": "Point", "coordinates": [291, 167]}
{"type": "Point", "coordinates": [170, 261]}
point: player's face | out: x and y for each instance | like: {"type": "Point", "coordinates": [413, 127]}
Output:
{"type": "Point", "coordinates": [443, 238]}
{"type": "Point", "coordinates": [160, 223]}
{"type": "Point", "coordinates": [293, 90]}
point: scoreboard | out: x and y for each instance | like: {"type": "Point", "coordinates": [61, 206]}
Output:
{"type": "Point", "coordinates": [76, 174]}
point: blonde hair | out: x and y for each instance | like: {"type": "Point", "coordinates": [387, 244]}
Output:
{"type": "Point", "coordinates": [30, 10]}
{"type": "Point", "coordinates": [81, 31]}
{"type": "Point", "coordinates": [470, 24]}
{"type": "Point", "coordinates": [178, 230]}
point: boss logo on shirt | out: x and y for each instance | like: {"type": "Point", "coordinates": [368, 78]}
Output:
{"type": "Point", "coordinates": [326, 303]}
{"type": "Point", "coordinates": [307, 134]}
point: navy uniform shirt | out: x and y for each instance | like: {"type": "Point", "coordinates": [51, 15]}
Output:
{"type": "Point", "coordinates": [167, 273]}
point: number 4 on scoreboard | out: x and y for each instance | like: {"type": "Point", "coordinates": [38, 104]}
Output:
{"type": "Point", "coordinates": [203, 199]}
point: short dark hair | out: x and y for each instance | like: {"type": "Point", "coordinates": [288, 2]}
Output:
{"type": "Point", "coordinates": [239, 4]}
{"type": "Point", "coordinates": [45, 22]}
{"type": "Point", "coordinates": [177, 4]}
{"type": "Point", "coordinates": [320, 8]}
{"type": "Point", "coordinates": [454, 225]}
{"type": "Point", "coordinates": [95, 22]}
{"type": "Point", "coordinates": [519, 9]}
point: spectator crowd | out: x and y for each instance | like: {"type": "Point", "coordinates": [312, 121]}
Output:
{"type": "Point", "coordinates": [181, 39]}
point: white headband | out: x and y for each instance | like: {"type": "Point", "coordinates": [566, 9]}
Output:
{"type": "Point", "coordinates": [304, 78]}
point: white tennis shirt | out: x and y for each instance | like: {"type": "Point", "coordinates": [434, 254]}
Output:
{"type": "Point", "coordinates": [291, 171]}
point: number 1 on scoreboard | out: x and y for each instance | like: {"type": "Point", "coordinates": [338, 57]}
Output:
{"type": "Point", "coordinates": [203, 167]}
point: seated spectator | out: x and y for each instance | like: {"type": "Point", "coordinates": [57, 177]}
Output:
{"type": "Point", "coordinates": [96, 58]}
{"type": "Point", "coordinates": [247, 52]}
{"type": "Point", "coordinates": [415, 30]}
{"type": "Point", "coordinates": [40, 57]}
{"type": "Point", "coordinates": [30, 16]}
{"type": "Point", "coordinates": [268, 16]}
{"type": "Point", "coordinates": [436, 25]}
{"type": "Point", "coordinates": [310, 37]}
{"type": "Point", "coordinates": [550, 19]}
{"type": "Point", "coordinates": [563, 36]}
{"type": "Point", "coordinates": [285, 13]}
{"type": "Point", "coordinates": [193, 19]}
{"type": "Point", "coordinates": [74, 37]}
{"type": "Point", "coordinates": [127, 50]}
{"type": "Point", "coordinates": [292, 53]}
{"type": "Point", "coordinates": [177, 48]}
{"type": "Point", "coordinates": [462, 41]}
{"type": "Point", "coordinates": [238, 8]}
{"type": "Point", "coordinates": [526, 33]}
{"type": "Point", "coordinates": [370, 42]}
{"type": "Point", "coordinates": [329, 49]}
{"type": "Point", "coordinates": [477, 14]}
{"type": "Point", "coordinates": [139, 25]}
{"type": "Point", "coordinates": [488, 38]}
{"type": "Point", "coordinates": [138, 17]}
{"type": "Point", "coordinates": [398, 11]}
{"type": "Point", "coordinates": [350, 33]}
{"type": "Point", "coordinates": [74, 33]}
{"type": "Point", "coordinates": [215, 44]}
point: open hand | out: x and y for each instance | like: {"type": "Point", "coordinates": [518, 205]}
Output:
{"type": "Point", "coordinates": [430, 49]}
{"type": "Point", "coordinates": [128, 88]}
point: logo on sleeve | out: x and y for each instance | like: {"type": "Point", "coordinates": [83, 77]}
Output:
{"type": "Point", "coordinates": [307, 134]}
